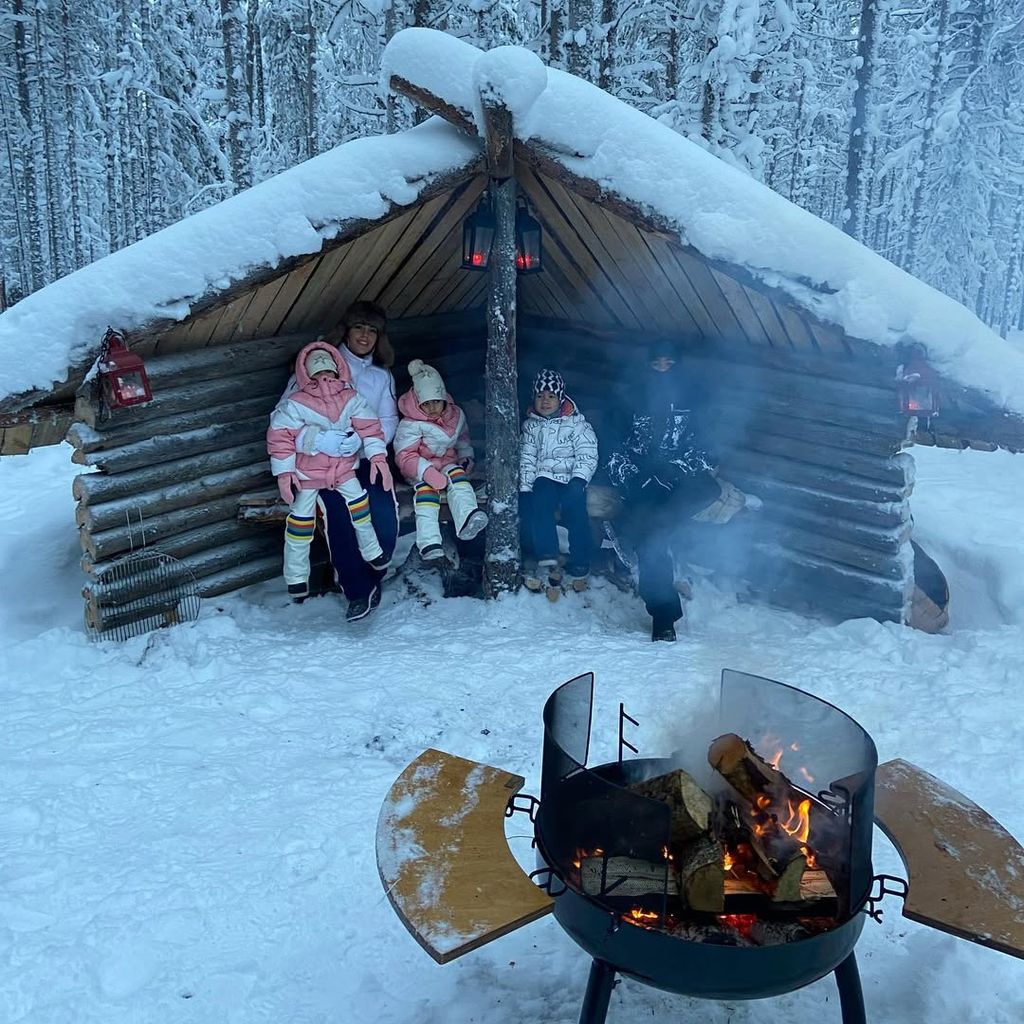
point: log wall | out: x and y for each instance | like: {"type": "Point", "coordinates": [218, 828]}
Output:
{"type": "Point", "coordinates": [168, 475]}
{"type": "Point", "coordinates": [817, 438]}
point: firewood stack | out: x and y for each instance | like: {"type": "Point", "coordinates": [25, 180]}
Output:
{"type": "Point", "coordinates": [749, 858]}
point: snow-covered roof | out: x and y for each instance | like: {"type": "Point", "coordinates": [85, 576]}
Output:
{"type": "Point", "coordinates": [165, 274]}
{"type": "Point", "coordinates": [717, 209]}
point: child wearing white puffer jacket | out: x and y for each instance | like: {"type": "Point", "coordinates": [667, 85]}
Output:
{"type": "Point", "coordinates": [433, 452]}
{"type": "Point", "coordinates": [558, 457]}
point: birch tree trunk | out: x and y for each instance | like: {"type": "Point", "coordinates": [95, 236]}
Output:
{"type": "Point", "coordinates": [71, 140]}
{"type": "Point", "coordinates": [232, 94]}
{"type": "Point", "coordinates": [920, 166]}
{"type": "Point", "coordinates": [858, 152]}
{"type": "Point", "coordinates": [33, 223]}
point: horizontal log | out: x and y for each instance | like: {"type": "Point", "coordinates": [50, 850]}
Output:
{"type": "Point", "coordinates": [725, 426]}
{"type": "Point", "coordinates": [160, 608]}
{"type": "Point", "coordinates": [202, 538]}
{"type": "Point", "coordinates": [119, 587]}
{"type": "Point", "coordinates": [150, 532]}
{"type": "Point", "coordinates": [794, 596]}
{"type": "Point", "coordinates": [216, 361]}
{"type": "Point", "coordinates": [817, 478]}
{"type": "Point", "coordinates": [167, 448]}
{"type": "Point", "coordinates": [884, 541]}
{"type": "Point", "coordinates": [87, 440]}
{"type": "Point", "coordinates": [778, 494]}
{"type": "Point", "coordinates": [150, 504]}
{"type": "Point", "coordinates": [883, 468]}
{"type": "Point", "coordinates": [894, 566]}
{"type": "Point", "coordinates": [774, 562]}
{"type": "Point", "coordinates": [171, 400]}
{"type": "Point", "coordinates": [97, 488]}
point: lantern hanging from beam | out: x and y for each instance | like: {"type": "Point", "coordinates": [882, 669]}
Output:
{"type": "Point", "coordinates": [919, 386]}
{"type": "Point", "coordinates": [528, 239]}
{"type": "Point", "coordinates": [122, 373]}
{"type": "Point", "coordinates": [478, 236]}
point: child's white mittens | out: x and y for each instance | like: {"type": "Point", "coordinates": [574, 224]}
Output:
{"type": "Point", "coordinates": [317, 440]}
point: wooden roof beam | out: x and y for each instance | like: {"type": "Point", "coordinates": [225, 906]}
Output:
{"type": "Point", "coordinates": [461, 119]}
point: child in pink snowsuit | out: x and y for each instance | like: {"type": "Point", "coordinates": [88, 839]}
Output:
{"type": "Point", "coordinates": [323, 400]}
{"type": "Point", "coordinates": [433, 453]}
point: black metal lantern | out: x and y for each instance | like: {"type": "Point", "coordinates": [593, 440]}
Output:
{"type": "Point", "coordinates": [919, 386]}
{"type": "Point", "coordinates": [478, 236]}
{"type": "Point", "coordinates": [528, 239]}
{"type": "Point", "coordinates": [123, 373]}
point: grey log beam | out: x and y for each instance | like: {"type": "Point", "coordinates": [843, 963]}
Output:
{"type": "Point", "coordinates": [147, 504]}
{"type": "Point", "coordinates": [98, 488]}
{"type": "Point", "coordinates": [501, 561]}
{"type": "Point", "coordinates": [167, 448]}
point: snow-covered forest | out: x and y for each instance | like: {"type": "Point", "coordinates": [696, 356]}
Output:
{"type": "Point", "coordinates": [900, 122]}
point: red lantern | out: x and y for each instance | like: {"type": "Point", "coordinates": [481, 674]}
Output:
{"type": "Point", "coordinates": [478, 236]}
{"type": "Point", "coordinates": [528, 237]}
{"type": "Point", "coordinates": [919, 386]}
{"type": "Point", "coordinates": [122, 373]}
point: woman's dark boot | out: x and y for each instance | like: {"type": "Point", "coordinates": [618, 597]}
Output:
{"type": "Point", "coordinates": [662, 629]}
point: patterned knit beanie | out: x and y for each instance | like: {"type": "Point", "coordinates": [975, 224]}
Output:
{"type": "Point", "coordinates": [549, 380]}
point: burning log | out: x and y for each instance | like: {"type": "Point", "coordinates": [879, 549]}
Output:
{"type": "Point", "coordinates": [788, 886]}
{"type": "Point", "coordinates": [702, 875]}
{"type": "Point", "coordinates": [748, 773]}
{"type": "Point", "coordinates": [690, 805]}
{"type": "Point", "coordinates": [801, 817]}
{"type": "Point", "coordinates": [626, 876]}
{"type": "Point", "coordinates": [815, 897]}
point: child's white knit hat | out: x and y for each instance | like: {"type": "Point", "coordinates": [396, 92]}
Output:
{"type": "Point", "coordinates": [426, 382]}
{"type": "Point", "coordinates": [320, 359]}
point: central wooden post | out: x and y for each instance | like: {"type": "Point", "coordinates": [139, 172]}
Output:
{"type": "Point", "coordinates": [501, 566]}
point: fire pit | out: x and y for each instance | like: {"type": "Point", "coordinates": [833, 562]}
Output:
{"type": "Point", "coordinates": [737, 866]}
{"type": "Point", "coordinates": [712, 872]}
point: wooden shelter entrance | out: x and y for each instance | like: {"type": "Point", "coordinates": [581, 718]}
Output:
{"type": "Point", "coordinates": [802, 415]}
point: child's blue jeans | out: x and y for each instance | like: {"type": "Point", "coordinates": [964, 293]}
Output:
{"type": "Point", "coordinates": [547, 498]}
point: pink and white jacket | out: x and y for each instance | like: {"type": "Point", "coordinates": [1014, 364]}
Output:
{"type": "Point", "coordinates": [328, 404]}
{"type": "Point", "coordinates": [421, 442]}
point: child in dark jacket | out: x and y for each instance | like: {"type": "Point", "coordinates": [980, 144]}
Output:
{"type": "Point", "coordinates": [558, 458]}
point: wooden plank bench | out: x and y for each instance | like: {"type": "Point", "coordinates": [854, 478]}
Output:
{"type": "Point", "coordinates": [265, 507]}
{"type": "Point", "coordinates": [444, 860]}
{"type": "Point", "coordinates": [965, 871]}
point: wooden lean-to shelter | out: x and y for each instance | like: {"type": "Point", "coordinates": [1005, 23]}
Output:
{"type": "Point", "coordinates": [792, 332]}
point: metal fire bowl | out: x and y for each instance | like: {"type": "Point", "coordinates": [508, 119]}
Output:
{"type": "Point", "coordinates": [703, 969]}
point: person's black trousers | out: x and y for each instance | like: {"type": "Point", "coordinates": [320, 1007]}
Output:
{"type": "Point", "coordinates": [355, 577]}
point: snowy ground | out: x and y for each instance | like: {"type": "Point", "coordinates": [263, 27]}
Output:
{"type": "Point", "coordinates": [187, 819]}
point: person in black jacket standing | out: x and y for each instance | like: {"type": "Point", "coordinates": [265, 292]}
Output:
{"type": "Point", "coordinates": [664, 475]}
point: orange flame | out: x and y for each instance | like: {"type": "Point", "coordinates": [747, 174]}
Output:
{"type": "Point", "coordinates": [641, 918]}
{"type": "Point", "coordinates": [798, 824]}
{"type": "Point", "coordinates": [727, 861]}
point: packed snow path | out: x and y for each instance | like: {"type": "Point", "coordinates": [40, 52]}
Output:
{"type": "Point", "coordinates": [187, 819]}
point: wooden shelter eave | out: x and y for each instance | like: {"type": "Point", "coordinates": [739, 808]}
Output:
{"type": "Point", "coordinates": [347, 230]}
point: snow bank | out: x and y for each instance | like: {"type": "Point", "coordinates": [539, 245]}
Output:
{"type": "Point", "coordinates": [188, 819]}
{"type": "Point", "coordinates": [725, 214]}
{"type": "Point", "coordinates": [288, 215]}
